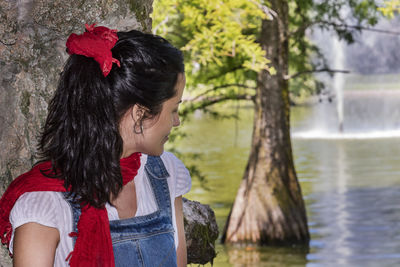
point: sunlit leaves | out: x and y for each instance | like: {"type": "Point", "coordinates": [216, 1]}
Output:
{"type": "Point", "coordinates": [390, 8]}
{"type": "Point", "coordinates": [217, 37]}
{"type": "Point", "coordinates": [220, 37]}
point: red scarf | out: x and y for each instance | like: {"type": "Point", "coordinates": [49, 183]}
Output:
{"type": "Point", "coordinates": [93, 245]}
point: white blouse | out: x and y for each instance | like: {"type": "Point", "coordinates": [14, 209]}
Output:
{"type": "Point", "coordinates": [52, 210]}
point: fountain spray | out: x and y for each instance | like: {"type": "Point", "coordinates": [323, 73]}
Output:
{"type": "Point", "coordinates": [338, 79]}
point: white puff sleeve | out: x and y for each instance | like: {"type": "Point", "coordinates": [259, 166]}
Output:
{"type": "Point", "coordinates": [181, 179]}
{"type": "Point", "coordinates": [38, 207]}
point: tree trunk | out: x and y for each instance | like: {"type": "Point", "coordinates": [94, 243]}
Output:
{"type": "Point", "coordinates": [32, 53]}
{"type": "Point", "coordinates": [269, 208]}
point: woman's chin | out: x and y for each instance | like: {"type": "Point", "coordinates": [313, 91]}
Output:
{"type": "Point", "coordinates": [155, 152]}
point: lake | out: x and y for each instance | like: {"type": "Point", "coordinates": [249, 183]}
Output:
{"type": "Point", "coordinates": [350, 181]}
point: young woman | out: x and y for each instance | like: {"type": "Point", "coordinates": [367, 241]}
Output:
{"type": "Point", "coordinates": [105, 192]}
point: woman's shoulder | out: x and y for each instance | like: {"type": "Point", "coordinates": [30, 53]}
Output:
{"type": "Point", "coordinates": [179, 174]}
{"type": "Point", "coordinates": [43, 207]}
{"type": "Point", "coordinates": [47, 208]}
{"type": "Point", "coordinates": [171, 161]}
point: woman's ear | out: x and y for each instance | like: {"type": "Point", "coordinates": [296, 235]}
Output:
{"type": "Point", "coordinates": [138, 112]}
{"type": "Point", "coordinates": [137, 115]}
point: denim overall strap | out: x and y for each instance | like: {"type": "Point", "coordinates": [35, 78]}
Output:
{"type": "Point", "coordinates": [148, 240]}
{"type": "Point", "coordinates": [157, 174]}
{"type": "Point", "coordinates": [76, 213]}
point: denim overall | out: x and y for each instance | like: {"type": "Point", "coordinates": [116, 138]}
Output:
{"type": "Point", "coordinates": [146, 241]}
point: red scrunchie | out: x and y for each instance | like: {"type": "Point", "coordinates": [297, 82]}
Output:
{"type": "Point", "coordinates": [96, 43]}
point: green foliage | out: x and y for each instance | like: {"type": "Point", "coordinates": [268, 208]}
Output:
{"type": "Point", "coordinates": [218, 38]}
{"type": "Point", "coordinates": [222, 55]}
{"type": "Point", "coordinates": [220, 42]}
{"type": "Point", "coordinates": [390, 8]}
{"type": "Point", "coordinates": [346, 18]}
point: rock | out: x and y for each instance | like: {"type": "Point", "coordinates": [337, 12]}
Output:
{"type": "Point", "coordinates": [201, 231]}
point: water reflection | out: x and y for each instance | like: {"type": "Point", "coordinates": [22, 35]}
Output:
{"type": "Point", "coordinates": [266, 256]}
{"type": "Point", "coordinates": [240, 257]}
{"type": "Point", "coordinates": [351, 188]}
{"type": "Point", "coordinates": [353, 201]}
{"type": "Point", "coordinates": [363, 232]}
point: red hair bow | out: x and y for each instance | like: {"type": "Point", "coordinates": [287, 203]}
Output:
{"type": "Point", "coordinates": [96, 43]}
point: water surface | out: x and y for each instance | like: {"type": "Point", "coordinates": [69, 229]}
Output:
{"type": "Point", "coordinates": [351, 187]}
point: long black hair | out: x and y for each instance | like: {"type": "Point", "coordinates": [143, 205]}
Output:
{"type": "Point", "coordinates": [81, 133]}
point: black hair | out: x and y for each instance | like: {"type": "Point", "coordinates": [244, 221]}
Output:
{"type": "Point", "coordinates": [81, 133]}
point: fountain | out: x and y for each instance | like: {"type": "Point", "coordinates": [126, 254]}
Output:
{"type": "Point", "coordinates": [363, 106]}
{"type": "Point", "coordinates": [338, 79]}
{"type": "Point", "coordinates": [360, 114]}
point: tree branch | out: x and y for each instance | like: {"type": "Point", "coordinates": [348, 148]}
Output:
{"type": "Point", "coordinates": [226, 71]}
{"type": "Point", "coordinates": [234, 85]}
{"type": "Point", "coordinates": [301, 29]}
{"type": "Point", "coordinates": [222, 86]}
{"type": "Point", "coordinates": [304, 27]}
{"type": "Point", "coordinates": [271, 14]}
{"type": "Point", "coordinates": [205, 101]}
{"type": "Point", "coordinates": [287, 77]}
{"type": "Point", "coordinates": [359, 27]}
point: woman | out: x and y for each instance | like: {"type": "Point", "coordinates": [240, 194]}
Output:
{"type": "Point", "coordinates": [104, 192]}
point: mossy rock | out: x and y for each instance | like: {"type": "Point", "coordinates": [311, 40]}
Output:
{"type": "Point", "coordinates": [201, 232]}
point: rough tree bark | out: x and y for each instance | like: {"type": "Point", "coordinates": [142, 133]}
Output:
{"type": "Point", "coordinates": [269, 208]}
{"type": "Point", "coordinates": [32, 54]}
